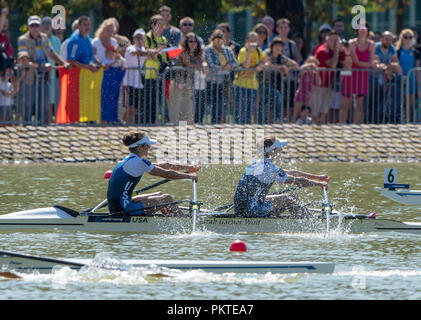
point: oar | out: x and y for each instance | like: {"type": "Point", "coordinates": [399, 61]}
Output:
{"type": "Point", "coordinates": [326, 209]}
{"type": "Point", "coordinates": [231, 205]}
{"type": "Point", "coordinates": [195, 206]}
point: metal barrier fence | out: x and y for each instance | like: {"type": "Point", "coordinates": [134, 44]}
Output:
{"type": "Point", "coordinates": [241, 96]}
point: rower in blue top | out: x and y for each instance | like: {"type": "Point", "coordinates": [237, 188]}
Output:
{"type": "Point", "coordinates": [127, 174]}
{"type": "Point", "coordinates": [251, 197]}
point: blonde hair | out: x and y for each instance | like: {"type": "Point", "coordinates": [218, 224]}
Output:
{"type": "Point", "coordinates": [105, 24]}
{"type": "Point", "coordinates": [312, 59]}
{"type": "Point", "coordinates": [403, 32]}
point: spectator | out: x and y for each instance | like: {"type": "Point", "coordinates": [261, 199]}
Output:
{"type": "Point", "coordinates": [339, 28]}
{"type": "Point", "coordinates": [181, 106]}
{"type": "Point", "coordinates": [103, 39]}
{"type": "Point", "coordinates": [4, 28]}
{"type": "Point", "coordinates": [26, 77]}
{"type": "Point", "coordinates": [187, 26]}
{"type": "Point", "coordinates": [306, 77]}
{"type": "Point", "coordinates": [123, 42]}
{"type": "Point", "coordinates": [300, 49]}
{"type": "Point", "coordinates": [387, 102]}
{"type": "Point", "coordinates": [113, 58]}
{"type": "Point", "coordinates": [59, 33]}
{"type": "Point", "coordinates": [221, 61]}
{"type": "Point", "coordinates": [304, 117]}
{"type": "Point", "coordinates": [270, 24]}
{"type": "Point", "coordinates": [54, 84]}
{"type": "Point", "coordinates": [135, 55]}
{"type": "Point", "coordinates": [328, 55]}
{"type": "Point", "coordinates": [276, 65]}
{"type": "Point", "coordinates": [226, 29]}
{"type": "Point", "coordinates": [80, 52]}
{"type": "Point", "coordinates": [245, 84]}
{"type": "Point", "coordinates": [63, 47]}
{"type": "Point", "coordinates": [8, 89]}
{"type": "Point", "coordinates": [155, 64]}
{"type": "Point", "coordinates": [171, 33]}
{"type": "Point", "coordinates": [346, 91]}
{"type": "Point", "coordinates": [323, 32]}
{"type": "Point", "coordinates": [363, 57]}
{"type": "Point", "coordinates": [262, 33]}
{"type": "Point", "coordinates": [408, 59]}
{"type": "Point", "coordinates": [39, 50]}
{"type": "Point", "coordinates": [290, 48]}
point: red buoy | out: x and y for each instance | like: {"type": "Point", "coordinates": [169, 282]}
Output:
{"type": "Point", "coordinates": [107, 174]}
{"type": "Point", "coordinates": [238, 246]}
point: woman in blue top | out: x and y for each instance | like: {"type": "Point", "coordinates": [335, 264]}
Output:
{"type": "Point", "coordinates": [251, 197]}
{"type": "Point", "coordinates": [128, 172]}
{"type": "Point", "coordinates": [408, 59]}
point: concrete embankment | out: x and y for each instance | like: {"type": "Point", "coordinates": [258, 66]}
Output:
{"type": "Point", "coordinates": [210, 143]}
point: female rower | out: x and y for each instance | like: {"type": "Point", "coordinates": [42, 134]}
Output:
{"type": "Point", "coordinates": [128, 172]}
{"type": "Point", "coordinates": [251, 197]}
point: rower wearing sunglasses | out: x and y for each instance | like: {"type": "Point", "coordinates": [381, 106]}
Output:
{"type": "Point", "coordinates": [252, 195]}
{"type": "Point", "coordinates": [128, 172]}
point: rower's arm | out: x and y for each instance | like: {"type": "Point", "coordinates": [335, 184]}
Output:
{"type": "Point", "coordinates": [170, 166]}
{"type": "Point", "coordinates": [171, 174]}
{"type": "Point", "coordinates": [297, 174]}
{"type": "Point", "coordinates": [304, 182]}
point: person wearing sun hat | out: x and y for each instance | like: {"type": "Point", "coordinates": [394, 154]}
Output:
{"type": "Point", "coordinates": [128, 173]}
{"type": "Point", "coordinates": [252, 197]}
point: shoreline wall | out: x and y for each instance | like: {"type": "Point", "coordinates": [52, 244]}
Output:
{"type": "Point", "coordinates": [210, 143]}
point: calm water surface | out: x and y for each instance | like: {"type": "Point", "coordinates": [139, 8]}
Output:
{"type": "Point", "coordinates": [368, 266]}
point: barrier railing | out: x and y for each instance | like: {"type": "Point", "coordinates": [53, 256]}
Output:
{"type": "Point", "coordinates": [242, 96]}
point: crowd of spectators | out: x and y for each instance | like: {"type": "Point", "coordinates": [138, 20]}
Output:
{"type": "Point", "coordinates": [343, 79]}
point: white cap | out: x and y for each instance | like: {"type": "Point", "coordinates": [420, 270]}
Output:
{"type": "Point", "coordinates": [139, 31]}
{"type": "Point", "coordinates": [144, 141]}
{"type": "Point", "coordinates": [278, 144]}
{"type": "Point", "coordinates": [34, 19]}
{"type": "Point", "coordinates": [325, 26]}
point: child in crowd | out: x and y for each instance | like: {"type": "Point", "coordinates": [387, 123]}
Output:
{"type": "Point", "coordinates": [9, 86]}
{"type": "Point", "coordinates": [307, 77]}
{"type": "Point", "coordinates": [113, 58]}
{"type": "Point", "coordinates": [133, 82]}
{"type": "Point", "coordinates": [304, 117]}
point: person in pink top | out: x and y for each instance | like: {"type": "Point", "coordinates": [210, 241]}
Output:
{"type": "Point", "coordinates": [307, 76]}
{"type": "Point", "coordinates": [363, 57]}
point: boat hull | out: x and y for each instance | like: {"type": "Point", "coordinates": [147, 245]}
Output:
{"type": "Point", "coordinates": [27, 263]}
{"type": "Point", "coordinates": [56, 218]}
{"type": "Point", "coordinates": [407, 197]}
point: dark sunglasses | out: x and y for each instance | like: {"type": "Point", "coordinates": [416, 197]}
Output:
{"type": "Point", "coordinates": [192, 40]}
{"type": "Point", "coordinates": [34, 26]}
{"type": "Point", "coordinates": [262, 32]}
{"type": "Point", "coordinates": [188, 24]}
{"type": "Point", "coordinates": [407, 37]}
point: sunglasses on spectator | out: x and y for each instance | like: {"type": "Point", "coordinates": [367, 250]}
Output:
{"type": "Point", "coordinates": [186, 24]}
{"type": "Point", "coordinates": [192, 40]}
{"type": "Point", "coordinates": [408, 37]}
{"type": "Point", "coordinates": [262, 32]}
{"type": "Point", "coordinates": [34, 25]}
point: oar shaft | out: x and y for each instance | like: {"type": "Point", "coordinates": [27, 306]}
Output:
{"type": "Point", "coordinates": [326, 200]}
{"type": "Point", "coordinates": [194, 202]}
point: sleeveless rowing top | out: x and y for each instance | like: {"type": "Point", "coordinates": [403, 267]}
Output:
{"type": "Point", "coordinates": [255, 185]}
{"type": "Point", "coordinates": [126, 175]}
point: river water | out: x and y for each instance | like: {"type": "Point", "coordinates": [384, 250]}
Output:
{"type": "Point", "coordinates": [368, 266]}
